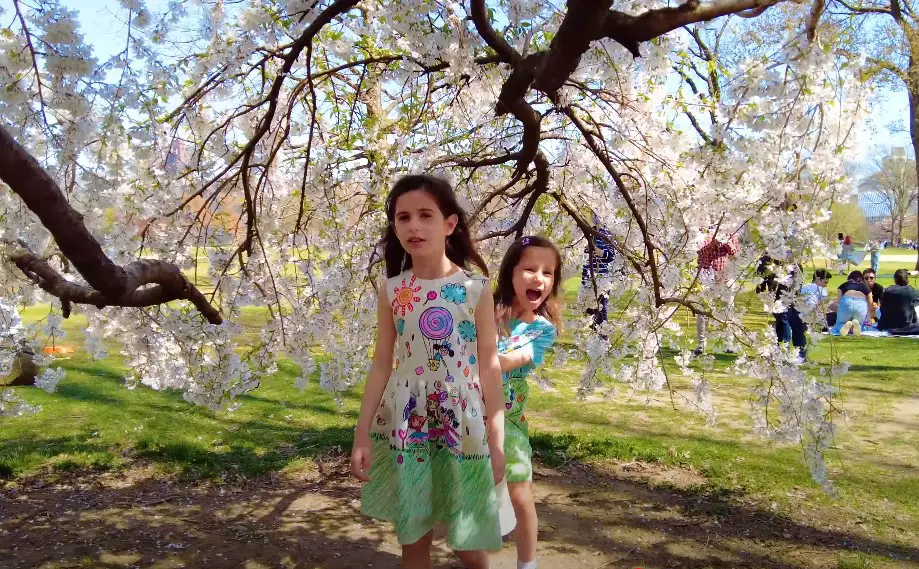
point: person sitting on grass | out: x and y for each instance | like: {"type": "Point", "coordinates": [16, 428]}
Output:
{"type": "Point", "coordinates": [877, 290]}
{"type": "Point", "coordinates": [814, 293]}
{"type": "Point", "coordinates": [855, 302]}
{"type": "Point", "coordinates": [900, 302]}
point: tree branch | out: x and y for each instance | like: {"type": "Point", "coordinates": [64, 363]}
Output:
{"type": "Point", "coordinates": [881, 65]}
{"type": "Point", "coordinates": [109, 284]}
{"type": "Point", "coordinates": [539, 186]}
{"type": "Point", "coordinates": [479, 16]}
{"type": "Point", "coordinates": [25, 31]}
{"type": "Point", "coordinates": [865, 10]}
{"type": "Point", "coordinates": [814, 19]}
{"type": "Point", "coordinates": [170, 284]}
{"type": "Point", "coordinates": [584, 22]}
{"type": "Point", "coordinates": [629, 31]}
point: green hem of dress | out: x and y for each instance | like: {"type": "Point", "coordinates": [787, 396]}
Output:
{"type": "Point", "coordinates": [432, 487]}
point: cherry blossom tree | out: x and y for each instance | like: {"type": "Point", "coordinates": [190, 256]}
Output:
{"type": "Point", "coordinates": [254, 148]}
{"type": "Point", "coordinates": [892, 185]}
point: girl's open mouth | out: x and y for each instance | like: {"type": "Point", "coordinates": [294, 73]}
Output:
{"type": "Point", "coordinates": [533, 294]}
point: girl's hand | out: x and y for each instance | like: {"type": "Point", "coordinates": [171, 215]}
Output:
{"type": "Point", "coordinates": [361, 458]}
{"type": "Point", "coordinates": [497, 465]}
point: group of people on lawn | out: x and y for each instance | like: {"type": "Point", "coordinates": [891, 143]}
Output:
{"type": "Point", "coordinates": [861, 302]}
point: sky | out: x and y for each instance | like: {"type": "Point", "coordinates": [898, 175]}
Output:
{"type": "Point", "coordinates": [102, 26]}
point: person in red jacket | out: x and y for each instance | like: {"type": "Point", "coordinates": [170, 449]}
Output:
{"type": "Point", "coordinates": [713, 258]}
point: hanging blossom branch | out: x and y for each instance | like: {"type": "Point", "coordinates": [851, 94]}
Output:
{"type": "Point", "coordinates": [109, 284]}
{"type": "Point", "coordinates": [585, 22]}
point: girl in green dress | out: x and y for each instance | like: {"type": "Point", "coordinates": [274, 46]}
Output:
{"type": "Point", "coordinates": [528, 313]}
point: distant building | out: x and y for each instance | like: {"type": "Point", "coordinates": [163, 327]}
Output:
{"type": "Point", "coordinates": [874, 205]}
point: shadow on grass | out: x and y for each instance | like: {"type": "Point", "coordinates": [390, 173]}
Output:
{"type": "Point", "coordinates": [240, 459]}
{"type": "Point", "coordinates": [262, 448]}
{"type": "Point", "coordinates": [330, 408]}
{"type": "Point", "coordinates": [64, 454]}
{"type": "Point", "coordinates": [892, 392]}
{"type": "Point", "coordinates": [92, 422]}
{"type": "Point", "coordinates": [881, 370]}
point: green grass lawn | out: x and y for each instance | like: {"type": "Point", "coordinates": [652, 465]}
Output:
{"type": "Point", "coordinates": [93, 422]}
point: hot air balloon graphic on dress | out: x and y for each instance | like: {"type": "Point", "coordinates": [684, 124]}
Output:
{"type": "Point", "coordinates": [436, 325]}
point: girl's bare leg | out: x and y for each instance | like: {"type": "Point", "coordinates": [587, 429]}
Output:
{"type": "Point", "coordinates": [473, 559]}
{"type": "Point", "coordinates": [525, 510]}
{"type": "Point", "coordinates": [418, 555]}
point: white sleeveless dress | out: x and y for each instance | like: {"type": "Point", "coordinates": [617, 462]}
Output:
{"type": "Point", "coordinates": [431, 462]}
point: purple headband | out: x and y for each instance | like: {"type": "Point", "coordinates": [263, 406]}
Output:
{"type": "Point", "coordinates": [526, 241]}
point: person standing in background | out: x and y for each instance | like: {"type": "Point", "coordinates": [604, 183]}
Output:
{"type": "Point", "coordinates": [789, 327]}
{"type": "Point", "coordinates": [596, 268]}
{"type": "Point", "coordinates": [845, 254]}
{"type": "Point", "coordinates": [875, 250]}
{"type": "Point", "coordinates": [713, 258]}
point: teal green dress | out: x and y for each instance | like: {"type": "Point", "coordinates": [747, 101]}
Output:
{"type": "Point", "coordinates": [430, 459]}
{"type": "Point", "coordinates": [533, 339]}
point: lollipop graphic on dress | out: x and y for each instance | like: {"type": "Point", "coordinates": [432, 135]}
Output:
{"type": "Point", "coordinates": [436, 324]}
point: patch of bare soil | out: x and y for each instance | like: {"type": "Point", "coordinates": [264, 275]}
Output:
{"type": "Point", "coordinates": [616, 516]}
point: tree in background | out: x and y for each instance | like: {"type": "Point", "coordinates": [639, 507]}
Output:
{"type": "Point", "coordinates": [846, 218]}
{"type": "Point", "coordinates": [888, 32]}
{"type": "Point", "coordinates": [892, 185]}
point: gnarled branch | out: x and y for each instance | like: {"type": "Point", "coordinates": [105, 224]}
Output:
{"type": "Point", "coordinates": [109, 284]}
{"type": "Point", "coordinates": [170, 284]}
{"type": "Point", "coordinates": [630, 30]}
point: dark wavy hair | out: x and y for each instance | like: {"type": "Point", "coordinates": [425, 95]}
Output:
{"type": "Point", "coordinates": [460, 248]}
{"type": "Point", "coordinates": [551, 308]}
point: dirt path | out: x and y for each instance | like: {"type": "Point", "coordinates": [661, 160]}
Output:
{"type": "Point", "coordinates": [612, 517]}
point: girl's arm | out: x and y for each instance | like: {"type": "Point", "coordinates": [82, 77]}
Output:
{"type": "Point", "coordinates": [532, 352]}
{"type": "Point", "coordinates": [380, 370]}
{"type": "Point", "coordinates": [490, 378]}
{"type": "Point", "coordinates": [513, 360]}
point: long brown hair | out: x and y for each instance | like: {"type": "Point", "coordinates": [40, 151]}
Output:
{"type": "Point", "coordinates": [460, 249]}
{"type": "Point", "coordinates": [551, 308]}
